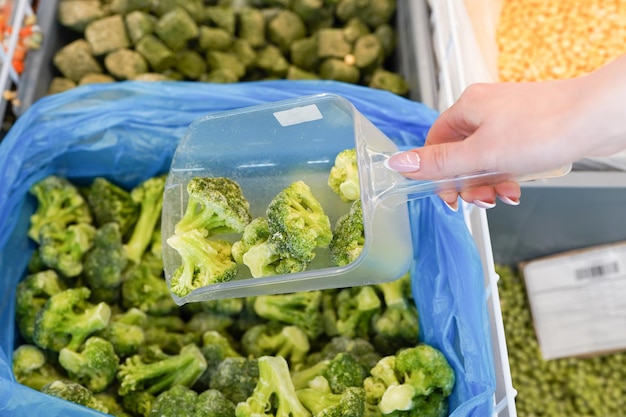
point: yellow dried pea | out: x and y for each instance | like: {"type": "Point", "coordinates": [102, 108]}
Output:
{"type": "Point", "coordinates": [557, 39]}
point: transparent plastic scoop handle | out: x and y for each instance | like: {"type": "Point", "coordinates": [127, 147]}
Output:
{"type": "Point", "coordinates": [387, 182]}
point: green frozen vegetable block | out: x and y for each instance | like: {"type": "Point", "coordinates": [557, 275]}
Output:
{"type": "Point", "coordinates": [388, 39]}
{"type": "Point", "coordinates": [245, 52]}
{"type": "Point", "coordinates": [373, 12]}
{"type": "Point", "coordinates": [252, 26]}
{"type": "Point", "coordinates": [77, 14]}
{"type": "Point", "coordinates": [173, 75]}
{"type": "Point", "coordinates": [127, 6]}
{"type": "Point", "coordinates": [315, 13]}
{"type": "Point", "coordinates": [223, 17]}
{"type": "Point", "coordinates": [107, 34]}
{"type": "Point", "coordinates": [332, 43]}
{"type": "Point", "coordinates": [295, 73]}
{"type": "Point", "coordinates": [195, 8]}
{"type": "Point", "coordinates": [214, 38]}
{"type": "Point", "coordinates": [125, 64]}
{"type": "Point", "coordinates": [139, 24]}
{"type": "Point", "coordinates": [272, 61]}
{"type": "Point", "coordinates": [354, 29]}
{"type": "Point", "coordinates": [227, 60]}
{"type": "Point", "coordinates": [339, 70]}
{"type": "Point", "coordinates": [303, 53]}
{"type": "Point", "coordinates": [158, 55]}
{"type": "Point", "coordinates": [387, 80]}
{"type": "Point", "coordinates": [75, 60]}
{"type": "Point", "coordinates": [368, 52]}
{"type": "Point", "coordinates": [60, 84]}
{"type": "Point", "coordinates": [284, 28]}
{"type": "Point", "coordinates": [96, 79]}
{"type": "Point", "coordinates": [220, 75]}
{"type": "Point", "coordinates": [175, 28]}
{"type": "Point", "coordinates": [151, 76]}
{"type": "Point", "coordinates": [190, 64]}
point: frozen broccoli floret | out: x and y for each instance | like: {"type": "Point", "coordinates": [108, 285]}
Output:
{"type": "Point", "coordinates": [301, 309]}
{"type": "Point", "coordinates": [397, 325]}
{"type": "Point", "coordinates": [398, 383]}
{"type": "Point", "coordinates": [297, 222]}
{"type": "Point", "coordinates": [261, 256]}
{"type": "Point", "coordinates": [215, 347]}
{"type": "Point", "coordinates": [31, 295]}
{"type": "Point", "coordinates": [93, 366]}
{"type": "Point", "coordinates": [67, 319]}
{"type": "Point", "coordinates": [274, 339]}
{"type": "Point", "coordinates": [138, 403]}
{"type": "Point", "coordinates": [340, 372]}
{"type": "Point", "coordinates": [146, 291]}
{"type": "Point", "coordinates": [106, 261]}
{"type": "Point", "coordinates": [349, 403]}
{"type": "Point", "coordinates": [168, 340]}
{"type": "Point", "coordinates": [113, 403]}
{"type": "Point", "coordinates": [204, 262]}
{"type": "Point", "coordinates": [31, 367]}
{"type": "Point", "coordinates": [148, 195]}
{"type": "Point", "coordinates": [74, 392]}
{"type": "Point", "coordinates": [182, 401]}
{"type": "Point", "coordinates": [63, 248]}
{"type": "Point", "coordinates": [126, 332]}
{"type": "Point", "coordinates": [355, 309]}
{"type": "Point", "coordinates": [361, 349]}
{"type": "Point", "coordinates": [236, 378]}
{"type": "Point", "coordinates": [343, 178]}
{"type": "Point", "coordinates": [59, 202]}
{"type": "Point", "coordinates": [216, 205]}
{"type": "Point", "coordinates": [348, 237]}
{"type": "Point", "coordinates": [156, 376]}
{"type": "Point", "coordinates": [274, 394]}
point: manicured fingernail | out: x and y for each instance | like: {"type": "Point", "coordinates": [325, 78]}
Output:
{"type": "Point", "coordinates": [404, 162]}
{"type": "Point", "coordinates": [453, 206]}
{"type": "Point", "coordinates": [484, 204]}
{"type": "Point", "coordinates": [509, 201]}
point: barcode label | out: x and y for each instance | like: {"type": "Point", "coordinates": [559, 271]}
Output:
{"type": "Point", "coordinates": [597, 271]}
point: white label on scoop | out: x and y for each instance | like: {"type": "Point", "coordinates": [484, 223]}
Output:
{"type": "Point", "coordinates": [298, 115]}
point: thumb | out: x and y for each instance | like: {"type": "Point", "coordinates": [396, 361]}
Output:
{"type": "Point", "coordinates": [434, 162]}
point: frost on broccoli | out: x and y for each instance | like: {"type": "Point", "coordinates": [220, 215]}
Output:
{"type": "Point", "coordinates": [141, 288]}
{"type": "Point", "coordinates": [74, 392]}
{"type": "Point", "coordinates": [236, 378]}
{"type": "Point", "coordinates": [106, 261]}
{"type": "Point", "coordinates": [63, 248]}
{"type": "Point", "coordinates": [204, 261]}
{"type": "Point", "coordinates": [344, 176]}
{"type": "Point", "coordinates": [155, 375]}
{"type": "Point", "coordinates": [297, 222]}
{"type": "Point", "coordinates": [324, 403]}
{"type": "Point", "coordinates": [32, 294]}
{"type": "Point", "coordinates": [110, 203]}
{"type": "Point", "coordinates": [216, 206]}
{"type": "Point", "coordinates": [67, 319]}
{"type": "Point", "coordinates": [348, 237]}
{"type": "Point", "coordinates": [403, 382]}
{"type": "Point", "coordinates": [58, 202]}
{"type": "Point", "coordinates": [355, 308]}
{"type": "Point", "coordinates": [148, 195]}
{"type": "Point", "coordinates": [182, 401]}
{"type": "Point", "coordinates": [93, 366]}
{"type": "Point", "coordinates": [274, 394]}
{"type": "Point", "coordinates": [32, 368]}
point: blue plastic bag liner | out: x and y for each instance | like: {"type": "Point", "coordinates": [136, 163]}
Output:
{"type": "Point", "coordinates": [128, 131]}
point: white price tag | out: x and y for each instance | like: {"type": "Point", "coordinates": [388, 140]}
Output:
{"type": "Point", "coordinates": [578, 301]}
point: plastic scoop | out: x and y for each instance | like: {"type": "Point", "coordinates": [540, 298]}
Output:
{"type": "Point", "coordinates": [265, 148]}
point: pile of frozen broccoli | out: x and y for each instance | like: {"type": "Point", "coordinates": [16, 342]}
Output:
{"type": "Point", "coordinates": [284, 241]}
{"type": "Point", "coordinates": [98, 327]}
{"type": "Point", "coordinates": [227, 41]}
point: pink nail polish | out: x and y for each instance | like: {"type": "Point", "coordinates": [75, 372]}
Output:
{"type": "Point", "coordinates": [483, 204]}
{"type": "Point", "coordinates": [404, 162]}
{"type": "Point", "coordinates": [509, 201]}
